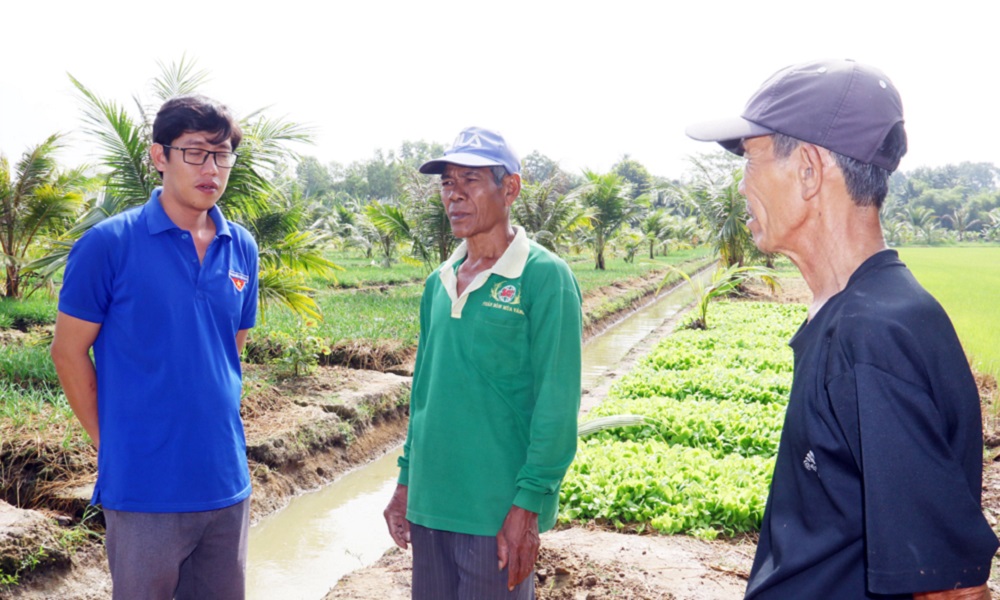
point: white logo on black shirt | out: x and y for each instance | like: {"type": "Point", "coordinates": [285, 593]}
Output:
{"type": "Point", "coordinates": [810, 462]}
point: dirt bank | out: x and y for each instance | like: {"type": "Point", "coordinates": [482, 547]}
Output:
{"type": "Point", "coordinates": [301, 434]}
{"type": "Point", "coordinates": [591, 564]}
{"type": "Point", "coordinates": [305, 432]}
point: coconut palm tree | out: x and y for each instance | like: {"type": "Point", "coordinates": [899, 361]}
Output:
{"type": "Point", "coordinates": [431, 234]}
{"type": "Point", "coordinates": [546, 215]}
{"type": "Point", "coordinates": [923, 220]}
{"type": "Point", "coordinates": [608, 198]}
{"type": "Point", "coordinates": [715, 189]}
{"type": "Point", "coordinates": [35, 200]}
{"type": "Point", "coordinates": [124, 139]}
{"type": "Point", "coordinates": [656, 229]}
{"type": "Point", "coordinates": [391, 225]}
{"type": "Point", "coordinates": [991, 230]}
{"type": "Point", "coordinates": [961, 221]}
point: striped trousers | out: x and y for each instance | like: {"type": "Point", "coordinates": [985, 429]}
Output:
{"type": "Point", "coordinates": [458, 566]}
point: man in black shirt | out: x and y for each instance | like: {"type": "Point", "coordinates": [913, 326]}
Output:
{"type": "Point", "coordinates": [877, 485]}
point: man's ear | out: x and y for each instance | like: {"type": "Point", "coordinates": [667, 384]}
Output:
{"type": "Point", "coordinates": [511, 188]}
{"type": "Point", "coordinates": [159, 157]}
{"type": "Point", "coordinates": [810, 169]}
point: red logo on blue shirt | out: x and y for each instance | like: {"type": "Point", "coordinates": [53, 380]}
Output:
{"type": "Point", "coordinates": [239, 280]}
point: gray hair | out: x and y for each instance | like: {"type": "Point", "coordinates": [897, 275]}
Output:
{"type": "Point", "coordinates": [867, 184]}
{"type": "Point", "coordinates": [499, 172]}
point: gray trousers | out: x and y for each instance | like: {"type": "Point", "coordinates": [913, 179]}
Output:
{"type": "Point", "coordinates": [457, 566]}
{"type": "Point", "coordinates": [187, 556]}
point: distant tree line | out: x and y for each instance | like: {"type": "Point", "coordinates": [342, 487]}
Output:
{"type": "Point", "coordinates": [300, 209]}
{"type": "Point", "coordinates": [953, 203]}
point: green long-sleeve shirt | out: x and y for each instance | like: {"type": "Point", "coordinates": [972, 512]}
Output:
{"type": "Point", "coordinates": [496, 391]}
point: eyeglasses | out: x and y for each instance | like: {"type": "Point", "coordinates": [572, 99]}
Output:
{"type": "Point", "coordinates": [198, 156]}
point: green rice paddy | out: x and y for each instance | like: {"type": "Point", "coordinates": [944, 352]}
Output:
{"type": "Point", "coordinates": [966, 281]}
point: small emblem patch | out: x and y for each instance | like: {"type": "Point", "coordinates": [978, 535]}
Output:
{"type": "Point", "coordinates": [506, 292]}
{"type": "Point", "coordinates": [809, 462]}
{"type": "Point", "coordinates": [239, 280]}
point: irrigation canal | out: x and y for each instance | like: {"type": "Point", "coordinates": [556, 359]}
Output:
{"type": "Point", "coordinates": [300, 552]}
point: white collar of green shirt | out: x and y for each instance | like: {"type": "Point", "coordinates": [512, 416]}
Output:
{"type": "Point", "coordinates": [510, 265]}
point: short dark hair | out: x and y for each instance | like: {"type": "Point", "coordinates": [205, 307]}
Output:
{"type": "Point", "coordinates": [867, 184]}
{"type": "Point", "coordinates": [182, 114]}
{"type": "Point", "coordinates": [499, 172]}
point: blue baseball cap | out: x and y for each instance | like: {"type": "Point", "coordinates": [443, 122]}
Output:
{"type": "Point", "coordinates": [476, 147]}
{"type": "Point", "coordinates": [842, 105]}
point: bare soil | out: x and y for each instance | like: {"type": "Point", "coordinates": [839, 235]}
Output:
{"type": "Point", "coordinates": [301, 433]}
{"type": "Point", "coordinates": [305, 432]}
{"type": "Point", "coordinates": [585, 563]}
{"type": "Point", "coordinates": [591, 564]}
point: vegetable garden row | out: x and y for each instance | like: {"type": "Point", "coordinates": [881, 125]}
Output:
{"type": "Point", "coordinates": [713, 402]}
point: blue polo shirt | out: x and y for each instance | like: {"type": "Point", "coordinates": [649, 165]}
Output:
{"type": "Point", "coordinates": [168, 369]}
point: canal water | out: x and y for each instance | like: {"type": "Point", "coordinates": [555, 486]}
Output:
{"type": "Point", "coordinates": [300, 552]}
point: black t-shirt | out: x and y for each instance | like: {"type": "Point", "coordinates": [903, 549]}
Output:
{"type": "Point", "coordinates": [877, 484]}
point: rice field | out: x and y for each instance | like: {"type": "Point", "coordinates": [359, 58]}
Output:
{"type": "Point", "coordinates": [966, 281]}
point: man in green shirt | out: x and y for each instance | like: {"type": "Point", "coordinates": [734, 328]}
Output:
{"type": "Point", "coordinates": [496, 390]}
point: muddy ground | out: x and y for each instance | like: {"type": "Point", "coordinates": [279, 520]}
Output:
{"type": "Point", "coordinates": [305, 432]}
{"type": "Point", "coordinates": [582, 563]}
{"type": "Point", "coordinates": [301, 434]}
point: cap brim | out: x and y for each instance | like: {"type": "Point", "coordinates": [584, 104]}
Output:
{"type": "Point", "coordinates": [436, 166]}
{"type": "Point", "coordinates": [729, 133]}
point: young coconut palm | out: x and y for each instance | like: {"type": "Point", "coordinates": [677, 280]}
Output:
{"type": "Point", "coordinates": [124, 140]}
{"type": "Point", "coordinates": [724, 280]}
{"type": "Point", "coordinates": [609, 199]}
{"type": "Point", "coordinates": [547, 216]}
{"type": "Point", "coordinates": [35, 200]}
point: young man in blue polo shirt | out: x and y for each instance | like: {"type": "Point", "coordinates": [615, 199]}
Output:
{"type": "Point", "coordinates": [165, 294]}
{"type": "Point", "coordinates": [878, 481]}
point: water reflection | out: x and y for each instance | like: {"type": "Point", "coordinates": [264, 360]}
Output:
{"type": "Point", "coordinates": [603, 352]}
{"type": "Point", "coordinates": [303, 550]}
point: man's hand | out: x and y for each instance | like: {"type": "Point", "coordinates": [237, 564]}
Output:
{"type": "Point", "coordinates": [395, 517]}
{"type": "Point", "coordinates": [977, 593]}
{"type": "Point", "coordinates": [517, 545]}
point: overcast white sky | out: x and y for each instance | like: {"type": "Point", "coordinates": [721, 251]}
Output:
{"type": "Point", "coordinates": [583, 82]}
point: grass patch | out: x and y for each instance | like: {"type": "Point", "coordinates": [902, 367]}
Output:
{"type": "Point", "coordinates": [966, 281]}
{"type": "Point", "coordinates": [20, 404]}
{"type": "Point", "coordinates": [28, 365]}
{"type": "Point", "coordinates": [352, 319]}
{"type": "Point", "coordinates": [23, 314]}
{"type": "Point", "coordinates": [386, 307]}
{"type": "Point", "coordinates": [363, 272]}
{"type": "Point", "coordinates": [618, 270]}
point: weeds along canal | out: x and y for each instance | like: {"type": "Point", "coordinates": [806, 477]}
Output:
{"type": "Point", "coordinates": [300, 552]}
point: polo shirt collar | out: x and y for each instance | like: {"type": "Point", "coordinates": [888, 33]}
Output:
{"type": "Point", "coordinates": [511, 262]}
{"type": "Point", "coordinates": [157, 220]}
{"type": "Point", "coordinates": [510, 265]}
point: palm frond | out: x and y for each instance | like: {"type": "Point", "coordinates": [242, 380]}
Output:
{"type": "Point", "coordinates": [178, 79]}
{"type": "Point", "coordinates": [125, 144]}
{"type": "Point", "coordinates": [299, 251]}
{"type": "Point", "coordinates": [283, 287]}
{"type": "Point", "coordinates": [389, 219]}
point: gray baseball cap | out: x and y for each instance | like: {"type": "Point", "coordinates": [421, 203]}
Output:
{"type": "Point", "coordinates": [476, 147]}
{"type": "Point", "coordinates": [842, 105]}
